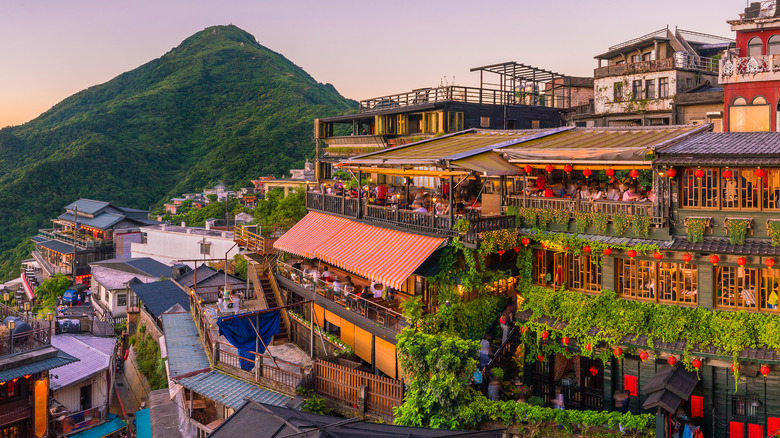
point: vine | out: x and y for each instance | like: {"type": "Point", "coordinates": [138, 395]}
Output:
{"type": "Point", "coordinates": [561, 217]}
{"type": "Point", "coordinates": [544, 216]}
{"type": "Point", "coordinates": [773, 228]}
{"type": "Point", "coordinates": [600, 221]}
{"type": "Point", "coordinates": [737, 229]}
{"type": "Point", "coordinates": [346, 350]}
{"type": "Point", "coordinates": [582, 220]}
{"type": "Point", "coordinates": [641, 226]}
{"type": "Point", "coordinates": [620, 223]}
{"type": "Point", "coordinates": [695, 228]}
{"type": "Point", "coordinates": [529, 217]}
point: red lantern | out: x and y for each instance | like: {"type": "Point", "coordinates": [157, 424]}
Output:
{"type": "Point", "coordinates": [588, 347]}
{"type": "Point", "coordinates": [566, 340]}
{"type": "Point", "coordinates": [671, 360]}
{"type": "Point", "coordinates": [759, 173]}
{"type": "Point", "coordinates": [764, 370]}
{"type": "Point", "coordinates": [687, 257]}
{"type": "Point", "coordinates": [644, 355]}
{"type": "Point", "coordinates": [540, 358]}
{"type": "Point", "coordinates": [658, 255]}
{"type": "Point", "coordinates": [698, 173]}
{"type": "Point", "coordinates": [714, 259]}
{"type": "Point", "coordinates": [739, 367]}
{"type": "Point", "coordinates": [567, 168]}
{"type": "Point", "coordinates": [587, 173]}
{"type": "Point", "coordinates": [727, 174]}
{"type": "Point", "coordinates": [528, 169]}
{"type": "Point", "coordinates": [696, 363]}
{"type": "Point", "coordinates": [500, 252]}
{"type": "Point", "coordinates": [634, 173]}
{"type": "Point", "coordinates": [606, 251]}
{"type": "Point", "coordinates": [517, 249]}
{"type": "Point", "coordinates": [549, 168]}
{"type": "Point", "coordinates": [618, 351]}
{"type": "Point", "coordinates": [544, 245]}
{"type": "Point", "coordinates": [672, 172]}
{"type": "Point", "coordinates": [769, 263]}
{"type": "Point", "coordinates": [741, 261]}
{"type": "Point", "coordinates": [525, 241]}
{"type": "Point", "coordinates": [610, 172]}
{"type": "Point", "coordinates": [586, 248]}
{"type": "Point", "coordinates": [545, 334]}
{"type": "Point", "coordinates": [566, 247]}
{"type": "Point", "coordinates": [631, 253]}
{"type": "Point", "coordinates": [524, 329]}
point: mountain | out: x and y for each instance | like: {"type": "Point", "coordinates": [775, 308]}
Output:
{"type": "Point", "coordinates": [219, 108]}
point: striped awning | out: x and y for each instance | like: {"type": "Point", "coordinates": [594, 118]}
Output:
{"type": "Point", "coordinates": [379, 254]}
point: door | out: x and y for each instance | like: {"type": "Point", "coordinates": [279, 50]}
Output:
{"type": "Point", "coordinates": [85, 398]}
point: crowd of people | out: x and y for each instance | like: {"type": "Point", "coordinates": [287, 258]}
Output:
{"type": "Point", "coordinates": [627, 190]}
{"type": "Point", "coordinates": [344, 288]}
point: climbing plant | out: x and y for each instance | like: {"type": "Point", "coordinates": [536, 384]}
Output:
{"type": "Point", "coordinates": [561, 217]}
{"type": "Point", "coordinates": [582, 220]}
{"type": "Point", "coordinates": [640, 225]}
{"type": "Point", "coordinates": [737, 230]}
{"type": "Point", "coordinates": [695, 227]}
{"type": "Point", "coordinates": [773, 228]}
{"type": "Point", "coordinates": [600, 222]}
{"type": "Point", "coordinates": [620, 223]}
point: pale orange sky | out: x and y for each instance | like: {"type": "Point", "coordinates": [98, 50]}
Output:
{"type": "Point", "coordinates": [52, 49]}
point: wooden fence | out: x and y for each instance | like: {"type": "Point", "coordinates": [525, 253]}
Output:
{"type": "Point", "coordinates": [344, 384]}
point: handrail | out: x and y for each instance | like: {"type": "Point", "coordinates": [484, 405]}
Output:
{"type": "Point", "coordinates": [278, 296]}
{"type": "Point", "coordinates": [650, 209]}
{"type": "Point", "coordinates": [498, 355]}
{"type": "Point", "coordinates": [84, 243]}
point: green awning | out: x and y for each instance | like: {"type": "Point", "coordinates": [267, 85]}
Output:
{"type": "Point", "coordinates": [114, 424]}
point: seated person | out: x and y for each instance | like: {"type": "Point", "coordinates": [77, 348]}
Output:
{"type": "Point", "coordinates": [442, 208]}
{"type": "Point", "coordinates": [390, 294]}
{"type": "Point", "coordinates": [417, 206]}
{"type": "Point", "coordinates": [630, 195]}
{"type": "Point", "coordinates": [366, 294]}
{"type": "Point", "coordinates": [548, 192]}
{"type": "Point", "coordinates": [459, 206]}
{"type": "Point", "coordinates": [337, 286]}
{"type": "Point", "coordinates": [595, 194]}
{"type": "Point", "coordinates": [326, 275]}
{"type": "Point", "coordinates": [377, 289]}
{"type": "Point", "coordinates": [613, 193]}
{"type": "Point", "coordinates": [349, 287]}
{"type": "Point", "coordinates": [314, 274]}
{"type": "Point", "coordinates": [571, 190]}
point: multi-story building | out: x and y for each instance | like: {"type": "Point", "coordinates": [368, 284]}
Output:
{"type": "Point", "coordinates": [637, 80]}
{"type": "Point", "coordinates": [750, 73]}
{"type": "Point", "coordinates": [93, 231]}
{"type": "Point", "coordinates": [170, 243]}
{"type": "Point", "coordinates": [111, 279]}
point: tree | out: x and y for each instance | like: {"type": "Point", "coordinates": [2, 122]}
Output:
{"type": "Point", "coordinates": [47, 293]}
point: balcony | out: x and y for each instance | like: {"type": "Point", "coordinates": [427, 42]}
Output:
{"type": "Point", "coordinates": [681, 60]}
{"type": "Point", "coordinates": [423, 96]}
{"type": "Point", "coordinates": [247, 237]}
{"type": "Point", "coordinates": [82, 242]}
{"type": "Point", "coordinates": [632, 209]}
{"type": "Point", "coordinates": [38, 336]}
{"type": "Point", "coordinates": [750, 69]}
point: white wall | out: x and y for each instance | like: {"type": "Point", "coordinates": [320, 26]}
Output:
{"type": "Point", "coordinates": [170, 246]}
{"type": "Point", "coordinates": [70, 396]}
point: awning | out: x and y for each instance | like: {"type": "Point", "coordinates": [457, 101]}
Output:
{"type": "Point", "coordinates": [231, 391]}
{"type": "Point", "coordinates": [380, 254]}
{"type": "Point", "coordinates": [113, 424]}
{"type": "Point", "coordinates": [590, 155]}
{"type": "Point", "coordinates": [669, 387]}
{"type": "Point", "coordinates": [314, 230]}
{"type": "Point", "coordinates": [143, 424]}
{"type": "Point", "coordinates": [488, 164]}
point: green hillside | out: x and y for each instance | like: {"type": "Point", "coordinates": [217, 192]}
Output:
{"type": "Point", "coordinates": [218, 108]}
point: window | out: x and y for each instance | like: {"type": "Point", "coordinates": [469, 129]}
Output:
{"type": "Point", "coordinates": [663, 88]}
{"type": "Point", "coordinates": [678, 283]}
{"type": "Point", "coordinates": [484, 122]}
{"type": "Point", "coordinates": [205, 248]}
{"type": "Point", "coordinates": [773, 45]}
{"type": "Point", "coordinates": [772, 193]}
{"type": "Point", "coordinates": [649, 89]}
{"type": "Point", "coordinates": [755, 47]}
{"type": "Point", "coordinates": [636, 90]}
{"type": "Point", "coordinates": [455, 121]}
{"type": "Point", "coordinates": [700, 192]}
{"type": "Point", "coordinates": [402, 121]}
{"type": "Point", "coordinates": [636, 58]}
{"type": "Point", "coordinates": [749, 118]}
{"type": "Point", "coordinates": [143, 238]}
{"type": "Point", "coordinates": [741, 191]}
{"type": "Point", "coordinates": [121, 300]}
{"type": "Point", "coordinates": [534, 124]}
{"type": "Point", "coordinates": [618, 91]}
{"type": "Point", "coordinates": [647, 56]}
{"type": "Point", "coordinates": [549, 269]}
{"type": "Point", "coordinates": [583, 273]}
{"type": "Point", "coordinates": [10, 389]}
{"type": "Point", "coordinates": [688, 83]}
{"type": "Point", "coordinates": [736, 287]}
{"type": "Point", "coordinates": [431, 123]}
{"type": "Point", "coordinates": [636, 279]}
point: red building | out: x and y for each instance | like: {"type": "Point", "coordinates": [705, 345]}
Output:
{"type": "Point", "coordinates": [750, 73]}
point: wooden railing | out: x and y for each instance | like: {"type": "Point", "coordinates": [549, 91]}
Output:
{"type": "Point", "coordinates": [252, 241]}
{"type": "Point", "coordinates": [653, 210]}
{"type": "Point", "coordinates": [269, 271]}
{"type": "Point", "coordinates": [344, 384]}
{"type": "Point", "coordinates": [280, 374]}
{"type": "Point", "coordinates": [426, 222]}
{"type": "Point", "coordinates": [89, 242]}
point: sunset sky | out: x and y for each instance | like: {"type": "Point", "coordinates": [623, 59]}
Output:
{"type": "Point", "coordinates": [52, 49]}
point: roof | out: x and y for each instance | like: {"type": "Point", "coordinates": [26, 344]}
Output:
{"type": "Point", "coordinates": [143, 424]}
{"type": "Point", "coordinates": [33, 361]}
{"type": "Point", "coordinates": [279, 421]}
{"type": "Point", "coordinates": [231, 391]}
{"type": "Point", "coordinates": [723, 246]}
{"type": "Point", "coordinates": [204, 274]}
{"type": "Point", "coordinates": [113, 424]}
{"type": "Point", "coordinates": [228, 235]}
{"type": "Point", "coordinates": [610, 240]}
{"type": "Point", "coordinates": [629, 145]}
{"type": "Point", "coordinates": [141, 266]}
{"type": "Point", "coordinates": [716, 148]}
{"type": "Point", "coordinates": [87, 206]}
{"type": "Point", "coordinates": [94, 354]}
{"type": "Point", "coordinates": [101, 221]}
{"type": "Point", "coordinates": [160, 296]}
{"type": "Point", "coordinates": [113, 279]}
{"type": "Point", "coordinates": [57, 246]}
{"type": "Point", "coordinates": [163, 416]}
{"type": "Point", "coordinates": [185, 352]}
{"type": "Point", "coordinates": [669, 387]}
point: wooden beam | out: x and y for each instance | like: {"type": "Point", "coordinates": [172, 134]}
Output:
{"type": "Point", "coordinates": [260, 312]}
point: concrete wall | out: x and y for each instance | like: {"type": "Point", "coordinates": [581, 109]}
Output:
{"type": "Point", "coordinates": [169, 246]}
{"type": "Point", "coordinates": [70, 396]}
{"type": "Point", "coordinates": [678, 81]}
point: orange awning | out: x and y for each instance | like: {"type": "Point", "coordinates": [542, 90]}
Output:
{"type": "Point", "coordinates": [310, 232]}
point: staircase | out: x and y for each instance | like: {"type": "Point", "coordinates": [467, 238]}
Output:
{"type": "Point", "coordinates": [505, 352]}
{"type": "Point", "coordinates": [266, 291]}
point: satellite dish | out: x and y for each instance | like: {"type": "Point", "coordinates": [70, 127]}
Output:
{"type": "Point", "coordinates": [768, 9]}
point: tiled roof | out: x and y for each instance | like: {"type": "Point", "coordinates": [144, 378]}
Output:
{"type": "Point", "coordinates": [161, 296]}
{"type": "Point", "coordinates": [722, 245]}
{"type": "Point", "coordinates": [56, 245]}
{"type": "Point", "coordinates": [186, 355]}
{"type": "Point", "coordinates": [87, 206]}
{"type": "Point", "coordinates": [724, 148]}
{"type": "Point", "coordinates": [231, 391]}
{"type": "Point", "coordinates": [610, 240]}
{"type": "Point", "coordinates": [142, 266]}
{"type": "Point", "coordinates": [35, 361]}
{"type": "Point", "coordinates": [94, 354]}
{"type": "Point", "coordinates": [101, 221]}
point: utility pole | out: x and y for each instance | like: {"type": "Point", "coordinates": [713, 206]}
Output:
{"type": "Point", "coordinates": [75, 234]}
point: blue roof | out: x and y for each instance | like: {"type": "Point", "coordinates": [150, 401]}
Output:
{"type": "Point", "coordinates": [161, 296]}
{"type": "Point", "coordinates": [185, 352]}
{"type": "Point", "coordinates": [56, 245]}
{"type": "Point", "coordinates": [142, 266]}
{"type": "Point", "coordinates": [50, 357]}
{"type": "Point", "coordinates": [230, 391]}
{"type": "Point", "coordinates": [102, 221]}
{"type": "Point", "coordinates": [87, 206]}
{"type": "Point", "coordinates": [113, 424]}
{"type": "Point", "coordinates": [143, 424]}
{"type": "Point", "coordinates": [38, 239]}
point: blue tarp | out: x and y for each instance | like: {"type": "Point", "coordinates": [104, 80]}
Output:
{"type": "Point", "coordinates": [113, 424]}
{"type": "Point", "coordinates": [239, 331]}
{"type": "Point", "coordinates": [143, 425]}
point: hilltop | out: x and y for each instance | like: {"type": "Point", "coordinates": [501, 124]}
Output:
{"type": "Point", "coordinates": [219, 107]}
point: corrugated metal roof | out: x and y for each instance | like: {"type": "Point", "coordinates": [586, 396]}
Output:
{"type": "Point", "coordinates": [94, 354]}
{"type": "Point", "coordinates": [56, 245]}
{"type": "Point", "coordinates": [87, 206]}
{"type": "Point", "coordinates": [160, 296]}
{"type": "Point", "coordinates": [53, 358]}
{"type": "Point", "coordinates": [726, 145]}
{"type": "Point", "coordinates": [185, 353]}
{"type": "Point", "coordinates": [230, 391]}
{"type": "Point", "coordinates": [113, 424]}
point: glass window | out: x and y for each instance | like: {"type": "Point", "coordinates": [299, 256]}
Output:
{"type": "Point", "coordinates": [699, 192]}
{"type": "Point", "coordinates": [484, 122]}
{"type": "Point", "coordinates": [749, 118]}
{"type": "Point", "coordinates": [758, 100]}
{"type": "Point", "coordinates": [773, 45]}
{"type": "Point", "coordinates": [636, 58]}
{"type": "Point", "coordinates": [740, 101]}
{"type": "Point", "coordinates": [431, 124]}
{"type": "Point", "coordinates": [678, 283]}
{"type": "Point", "coordinates": [663, 88]}
{"type": "Point", "coordinates": [455, 121]}
{"type": "Point", "coordinates": [649, 89]}
{"type": "Point", "coordinates": [736, 287]}
{"type": "Point", "coordinates": [636, 90]}
{"type": "Point", "coordinates": [755, 47]}
{"type": "Point", "coordinates": [772, 192]}
{"type": "Point", "coordinates": [741, 191]}
{"type": "Point", "coordinates": [583, 273]}
{"type": "Point", "coordinates": [636, 279]}
{"type": "Point", "coordinates": [402, 124]}
{"type": "Point", "coordinates": [618, 91]}
{"type": "Point", "coordinates": [121, 300]}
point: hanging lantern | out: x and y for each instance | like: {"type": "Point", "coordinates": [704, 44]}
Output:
{"type": "Point", "coordinates": [727, 174]}
{"type": "Point", "coordinates": [714, 259]}
{"type": "Point", "coordinates": [631, 253]}
{"type": "Point", "coordinates": [567, 248]}
{"type": "Point", "coordinates": [528, 169]}
{"type": "Point", "coordinates": [658, 255]}
{"type": "Point", "coordinates": [544, 245]}
{"type": "Point", "coordinates": [501, 252]}
{"type": "Point", "coordinates": [738, 367]}
{"type": "Point", "coordinates": [540, 358]}
{"type": "Point", "coordinates": [545, 334]}
{"type": "Point", "coordinates": [525, 241]}
{"type": "Point", "coordinates": [588, 347]}
{"type": "Point", "coordinates": [759, 173]}
{"type": "Point", "coordinates": [606, 251]}
{"type": "Point", "coordinates": [587, 173]}
{"type": "Point", "coordinates": [741, 261]}
{"type": "Point", "coordinates": [769, 263]}
{"type": "Point", "coordinates": [524, 329]}
{"type": "Point", "coordinates": [610, 172]}
{"type": "Point", "coordinates": [634, 173]}
{"type": "Point", "coordinates": [618, 351]}
{"type": "Point", "coordinates": [549, 168]}
{"type": "Point", "coordinates": [644, 355]}
{"type": "Point", "coordinates": [586, 248]}
{"type": "Point", "coordinates": [671, 360]}
{"type": "Point", "coordinates": [517, 249]}
{"type": "Point", "coordinates": [671, 173]}
{"type": "Point", "coordinates": [567, 168]}
{"type": "Point", "coordinates": [566, 340]}
{"type": "Point", "coordinates": [687, 257]}
{"type": "Point", "coordinates": [764, 370]}
{"type": "Point", "coordinates": [698, 173]}
{"type": "Point", "coordinates": [696, 363]}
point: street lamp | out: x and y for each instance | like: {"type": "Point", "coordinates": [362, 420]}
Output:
{"type": "Point", "coordinates": [11, 327]}
{"type": "Point", "coordinates": [27, 308]}
{"type": "Point", "coordinates": [50, 319]}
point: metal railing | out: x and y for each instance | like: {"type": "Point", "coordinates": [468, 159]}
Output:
{"type": "Point", "coordinates": [265, 369]}
{"type": "Point", "coordinates": [682, 60]}
{"type": "Point", "coordinates": [82, 243]}
{"type": "Point", "coordinates": [650, 209]}
{"type": "Point", "coordinates": [367, 308]}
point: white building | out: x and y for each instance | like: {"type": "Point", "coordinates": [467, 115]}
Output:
{"type": "Point", "coordinates": [111, 279]}
{"type": "Point", "coordinates": [169, 244]}
{"type": "Point", "coordinates": [88, 383]}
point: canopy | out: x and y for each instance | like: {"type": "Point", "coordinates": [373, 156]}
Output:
{"type": "Point", "coordinates": [310, 232]}
{"type": "Point", "coordinates": [488, 164]}
{"type": "Point", "coordinates": [241, 331]}
{"type": "Point", "coordinates": [114, 424]}
{"type": "Point", "coordinates": [669, 387]}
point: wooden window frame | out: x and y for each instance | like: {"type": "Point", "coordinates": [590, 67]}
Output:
{"type": "Point", "coordinates": [735, 194]}
{"type": "Point", "coordinates": [674, 285]}
{"type": "Point", "coordinates": [582, 274]}
{"type": "Point", "coordinates": [698, 189]}
{"type": "Point", "coordinates": [636, 289]}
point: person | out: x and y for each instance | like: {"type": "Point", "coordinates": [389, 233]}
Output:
{"type": "Point", "coordinates": [613, 194]}
{"type": "Point", "coordinates": [595, 194]}
{"type": "Point", "coordinates": [548, 192]}
{"type": "Point", "coordinates": [630, 194]}
{"type": "Point", "coordinates": [571, 190]}
{"type": "Point", "coordinates": [390, 294]}
{"type": "Point", "coordinates": [377, 289]}
{"type": "Point", "coordinates": [494, 389]}
{"type": "Point", "coordinates": [584, 192]}
{"type": "Point", "coordinates": [326, 275]}
{"type": "Point", "coordinates": [366, 293]}
{"type": "Point", "coordinates": [484, 352]}
{"type": "Point", "coordinates": [381, 194]}
{"type": "Point", "coordinates": [314, 274]}
{"type": "Point", "coordinates": [651, 195]}
{"type": "Point", "coordinates": [349, 287]}
{"type": "Point", "coordinates": [506, 320]}
{"type": "Point", "coordinates": [337, 286]}
{"type": "Point", "coordinates": [418, 207]}
{"type": "Point", "coordinates": [621, 401]}
{"type": "Point", "coordinates": [557, 401]}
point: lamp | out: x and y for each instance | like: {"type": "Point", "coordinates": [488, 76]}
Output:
{"type": "Point", "coordinates": [11, 325]}
{"type": "Point", "coordinates": [50, 317]}
{"type": "Point", "coordinates": [26, 306]}
{"type": "Point", "coordinates": [6, 296]}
